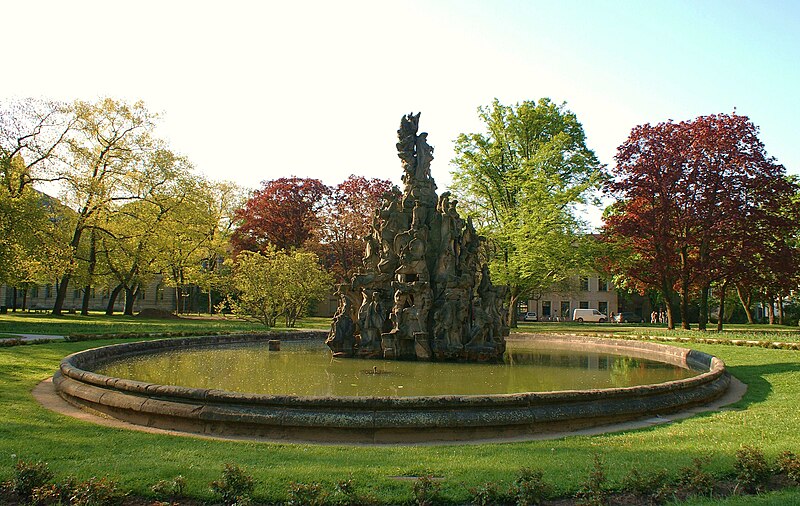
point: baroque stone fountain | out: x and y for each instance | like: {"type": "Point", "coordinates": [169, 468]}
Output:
{"type": "Point", "coordinates": [424, 292]}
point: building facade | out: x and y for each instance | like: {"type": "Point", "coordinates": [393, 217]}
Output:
{"type": "Point", "coordinates": [585, 292]}
{"type": "Point", "coordinates": [42, 298]}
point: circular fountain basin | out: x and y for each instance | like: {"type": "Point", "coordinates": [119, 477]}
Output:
{"type": "Point", "coordinates": [162, 384]}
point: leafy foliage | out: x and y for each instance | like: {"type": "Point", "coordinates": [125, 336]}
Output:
{"type": "Point", "coordinates": [344, 220]}
{"type": "Point", "coordinates": [752, 470]}
{"type": "Point", "coordinates": [529, 488]}
{"type": "Point", "coordinates": [789, 464]}
{"type": "Point", "coordinates": [283, 214]}
{"type": "Point", "coordinates": [276, 283]}
{"type": "Point", "coordinates": [29, 476]}
{"type": "Point", "coordinates": [698, 202]}
{"type": "Point", "coordinates": [235, 486]}
{"type": "Point", "coordinates": [521, 181]}
{"type": "Point", "coordinates": [594, 491]}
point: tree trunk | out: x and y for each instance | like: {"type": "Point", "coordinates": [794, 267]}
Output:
{"type": "Point", "coordinates": [780, 310]}
{"type": "Point", "coordinates": [721, 313]}
{"type": "Point", "coordinates": [112, 299]}
{"type": "Point", "coordinates": [771, 310]}
{"type": "Point", "coordinates": [14, 300]}
{"type": "Point", "coordinates": [177, 299]}
{"type": "Point", "coordinates": [669, 301]}
{"type": "Point", "coordinates": [87, 290]}
{"type": "Point", "coordinates": [130, 298]}
{"type": "Point", "coordinates": [703, 318]}
{"type": "Point", "coordinates": [210, 307]}
{"type": "Point", "coordinates": [684, 295]}
{"type": "Point", "coordinates": [746, 301]}
{"type": "Point", "coordinates": [61, 295]}
{"type": "Point", "coordinates": [512, 311]}
{"type": "Point", "coordinates": [25, 298]}
{"type": "Point", "coordinates": [87, 295]}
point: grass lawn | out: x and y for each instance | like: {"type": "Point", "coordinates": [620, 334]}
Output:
{"type": "Point", "coordinates": [32, 323]}
{"type": "Point", "coordinates": [767, 417]}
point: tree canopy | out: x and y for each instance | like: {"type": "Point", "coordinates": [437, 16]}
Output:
{"type": "Point", "coordinates": [697, 202]}
{"type": "Point", "coordinates": [521, 180]}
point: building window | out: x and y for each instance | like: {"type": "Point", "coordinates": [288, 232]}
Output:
{"type": "Point", "coordinates": [34, 291]}
{"type": "Point", "coordinates": [565, 309]}
{"type": "Point", "coordinates": [584, 284]}
{"type": "Point", "coordinates": [583, 304]}
{"type": "Point", "coordinates": [603, 307]}
{"type": "Point", "coordinates": [48, 291]}
{"type": "Point", "coordinates": [602, 285]}
{"type": "Point", "coordinates": [546, 309]}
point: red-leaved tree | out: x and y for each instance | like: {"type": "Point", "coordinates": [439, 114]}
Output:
{"type": "Point", "coordinates": [345, 219]}
{"type": "Point", "coordinates": [282, 213]}
{"type": "Point", "coordinates": [697, 201]}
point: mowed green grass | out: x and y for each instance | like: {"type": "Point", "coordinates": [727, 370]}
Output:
{"type": "Point", "coordinates": [756, 332]}
{"type": "Point", "coordinates": [65, 325]}
{"type": "Point", "coordinates": [768, 417]}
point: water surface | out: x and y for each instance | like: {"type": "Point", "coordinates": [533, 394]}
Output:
{"type": "Point", "coordinates": [307, 368]}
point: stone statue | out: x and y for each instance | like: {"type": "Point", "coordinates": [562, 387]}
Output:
{"type": "Point", "coordinates": [341, 339]}
{"type": "Point", "coordinates": [371, 319]}
{"type": "Point", "coordinates": [424, 293]}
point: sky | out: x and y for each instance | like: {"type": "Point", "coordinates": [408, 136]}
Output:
{"type": "Point", "coordinates": [255, 90]}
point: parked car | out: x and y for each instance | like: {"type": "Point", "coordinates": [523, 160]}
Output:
{"type": "Point", "coordinates": [626, 317]}
{"type": "Point", "coordinates": [588, 315]}
{"type": "Point", "coordinates": [530, 316]}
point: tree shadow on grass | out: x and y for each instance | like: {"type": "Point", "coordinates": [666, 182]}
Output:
{"type": "Point", "coordinates": [754, 376]}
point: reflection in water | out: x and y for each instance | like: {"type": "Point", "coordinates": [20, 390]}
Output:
{"type": "Point", "coordinates": [307, 368]}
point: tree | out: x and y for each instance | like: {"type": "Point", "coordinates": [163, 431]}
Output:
{"type": "Point", "coordinates": [32, 134]}
{"type": "Point", "coordinates": [521, 181]}
{"type": "Point", "coordinates": [694, 200]}
{"type": "Point", "coordinates": [282, 213]}
{"type": "Point", "coordinates": [345, 219]}
{"type": "Point", "coordinates": [221, 200]}
{"type": "Point", "coordinates": [272, 283]}
{"type": "Point", "coordinates": [104, 169]}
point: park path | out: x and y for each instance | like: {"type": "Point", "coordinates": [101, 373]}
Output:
{"type": "Point", "coordinates": [30, 337]}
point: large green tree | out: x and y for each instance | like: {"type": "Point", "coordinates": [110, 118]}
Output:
{"type": "Point", "coordinates": [32, 137]}
{"type": "Point", "coordinates": [522, 179]}
{"type": "Point", "coordinates": [105, 168]}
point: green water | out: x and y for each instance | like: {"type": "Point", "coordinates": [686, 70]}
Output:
{"type": "Point", "coordinates": [307, 368]}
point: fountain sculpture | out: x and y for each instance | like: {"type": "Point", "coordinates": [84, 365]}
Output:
{"type": "Point", "coordinates": [424, 292]}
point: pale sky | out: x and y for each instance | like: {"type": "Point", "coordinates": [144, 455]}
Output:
{"type": "Point", "coordinates": [252, 91]}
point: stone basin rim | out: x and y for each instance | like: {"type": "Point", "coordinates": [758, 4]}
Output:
{"type": "Point", "coordinates": [72, 367]}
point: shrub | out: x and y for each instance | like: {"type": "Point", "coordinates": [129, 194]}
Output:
{"type": "Point", "coordinates": [426, 490]}
{"type": "Point", "coordinates": [29, 476]}
{"type": "Point", "coordinates": [302, 494]}
{"type": "Point", "coordinates": [789, 464]}
{"type": "Point", "coordinates": [653, 486]}
{"type": "Point", "coordinates": [594, 491]}
{"type": "Point", "coordinates": [694, 480]}
{"type": "Point", "coordinates": [488, 494]}
{"type": "Point", "coordinates": [235, 487]}
{"type": "Point", "coordinates": [46, 494]}
{"type": "Point", "coordinates": [752, 470]}
{"type": "Point", "coordinates": [170, 488]}
{"type": "Point", "coordinates": [529, 488]}
{"type": "Point", "coordinates": [95, 492]}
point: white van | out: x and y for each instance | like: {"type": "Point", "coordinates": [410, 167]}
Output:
{"type": "Point", "coordinates": [588, 315]}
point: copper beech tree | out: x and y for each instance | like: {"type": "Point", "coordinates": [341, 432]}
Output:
{"type": "Point", "coordinates": [283, 213]}
{"type": "Point", "coordinates": [345, 219]}
{"type": "Point", "coordinates": [699, 203]}
{"type": "Point", "coordinates": [293, 213]}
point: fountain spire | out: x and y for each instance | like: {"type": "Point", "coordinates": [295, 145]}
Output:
{"type": "Point", "coordinates": [423, 292]}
